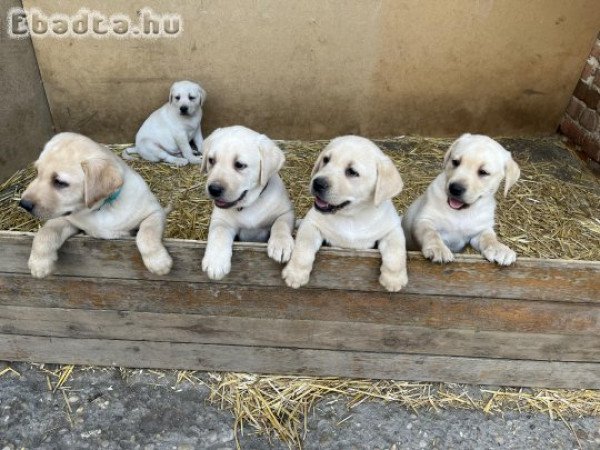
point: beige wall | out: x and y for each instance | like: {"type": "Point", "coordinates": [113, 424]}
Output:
{"type": "Point", "coordinates": [316, 69]}
{"type": "Point", "coordinates": [25, 122]}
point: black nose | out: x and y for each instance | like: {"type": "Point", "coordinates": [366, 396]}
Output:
{"type": "Point", "coordinates": [183, 109]}
{"type": "Point", "coordinates": [26, 205]}
{"type": "Point", "coordinates": [456, 189]}
{"type": "Point", "coordinates": [320, 185]}
{"type": "Point", "coordinates": [215, 189]}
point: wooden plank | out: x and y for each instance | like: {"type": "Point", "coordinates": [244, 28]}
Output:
{"type": "Point", "coordinates": [308, 334]}
{"type": "Point", "coordinates": [301, 305]}
{"type": "Point", "coordinates": [468, 276]}
{"type": "Point", "coordinates": [167, 355]}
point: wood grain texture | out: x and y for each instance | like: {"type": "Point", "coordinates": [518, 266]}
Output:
{"type": "Point", "coordinates": [536, 323]}
{"type": "Point", "coordinates": [438, 312]}
{"type": "Point", "coordinates": [469, 276]}
{"type": "Point", "coordinates": [168, 355]}
{"type": "Point", "coordinates": [292, 333]}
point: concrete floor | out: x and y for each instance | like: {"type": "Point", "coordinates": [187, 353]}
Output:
{"type": "Point", "coordinates": [113, 410]}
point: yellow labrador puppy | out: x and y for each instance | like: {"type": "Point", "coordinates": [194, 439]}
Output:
{"type": "Point", "coordinates": [82, 186]}
{"type": "Point", "coordinates": [251, 202]}
{"type": "Point", "coordinates": [166, 134]}
{"type": "Point", "coordinates": [458, 207]}
{"type": "Point", "coordinates": [353, 183]}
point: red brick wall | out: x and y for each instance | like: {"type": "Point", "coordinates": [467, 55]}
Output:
{"type": "Point", "coordinates": [581, 123]}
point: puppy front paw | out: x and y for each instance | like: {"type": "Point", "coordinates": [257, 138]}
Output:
{"type": "Point", "coordinates": [179, 162]}
{"type": "Point", "coordinates": [159, 263]}
{"type": "Point", "coordinates": [437, 252]}
{"type": "Point", "coordinates": [500, 254]}
{"type": "Point", "coordinates": [41, 267]}
{"type": "Point", "coordinates": [216, 267]}
{"type": "Point", "coordinates": [295, 276]}
{"type": "Point", "coordinates": [393, 281]}
{"type": "Point", "coordinates": [280, 248]}
{"type": "Point", "coordinates": [195, 160]}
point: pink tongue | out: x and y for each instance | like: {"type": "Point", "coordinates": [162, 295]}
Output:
{"type": "Point", "coordinates": [455, 204]}
{"type": "Point", "coordinates": [320, 203]}
{"type": "Point", "coordinates": [220, 203]}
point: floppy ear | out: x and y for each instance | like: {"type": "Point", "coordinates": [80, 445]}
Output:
{"type": "Point", "coordinates": [206, 145]}
{"type": "Point", "coordinates": [512, 172]}
{"type": "Point", "coordinates": [389, 183]}
{"type": "Point", "coordinates": [271, 159]}
{"type": "Point", "coordinates": [102, 178]}
{"type": "Point", "coordinates": [317, 165]}
{"type": "Point", "coordinates": [454, 144]}
{"type": "Point", "coordinates": [202, 94]}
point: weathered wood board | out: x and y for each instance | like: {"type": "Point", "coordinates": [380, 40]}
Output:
{"type": "Point", "coordinates": [536, 323]}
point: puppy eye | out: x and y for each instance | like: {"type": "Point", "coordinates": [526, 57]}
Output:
{"type": "Point", "coordinates": [350, 172]}
{"type": "Point", "coordinates": [325, 160]}
{"type": "Point", "coordinates": [177, 97]}
{"type": "Point", "coordinates": [240, 165]}
{"type": "Point", "coordinates": [211, 161]}
{"type": "Point", "coordinates": [455, 162]}
{"type": "Point", "coordinates": [483, 173]}
{"type": "Point", "coordinates": [59, 184]}
{"type": "Point", "coordinates": [192, 98]}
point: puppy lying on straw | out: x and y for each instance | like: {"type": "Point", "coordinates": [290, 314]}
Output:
{"type": "Point", "coordinates": [458, 207]}
{"type": "Point", "coordinates": [251, 202]}
{"type": "Point", "coordinates": [82, 186]}
{"type": "Point", "coordinates": [353, 183]}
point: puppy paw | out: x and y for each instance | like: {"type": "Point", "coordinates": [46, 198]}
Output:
{"type": "Point", "coordinates": [41, 267]}
{"type": "Point", "coordinates": [179, 162]}
{"type": "Point", "coordinates": [159, 263]}
{"type": "Point", "coordinates": [295, 277]}
{"type": "Point", "coordinates": [393, 281]}
{"type": "Point", "coordinates": [216, 268]}
{"type": "Point", "coordinates": [280, 248]}
{"type": "Point", "coordinates": [438, 252]}
{"type": "Point", "coordinates": [195, 160]}
{"type": "Point", "coordinates": [500, 254]}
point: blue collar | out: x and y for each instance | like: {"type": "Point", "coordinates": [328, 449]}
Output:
{"type": "Point", "coordinates": [111, 198]}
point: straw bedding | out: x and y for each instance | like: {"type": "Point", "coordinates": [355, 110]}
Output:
{"type": "Point", "coordinates": [553, 212]}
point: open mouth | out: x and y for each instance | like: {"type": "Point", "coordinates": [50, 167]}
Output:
{"type": "Point", "coordinates": [456, 204]}
{"type": "Point", "coordinates": [325, 207]}
{"type": "Point", "coordinates": [225, 205]}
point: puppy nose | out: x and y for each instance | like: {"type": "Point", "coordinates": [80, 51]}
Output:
{"type": "Point", "coordinates": [215, 189]}
{"type": "Point", "coordinates": [183, 109]}
{"type": "Point", "coordinates": [320, 184]}
{"type": "Point", "coordinates": [26, 205]}
{"type": "Point", "coordinates": [456, 189]}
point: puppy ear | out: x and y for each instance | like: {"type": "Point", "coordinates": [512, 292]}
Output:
{"type": "Point", "coordinates": [452, 146]}
{"type": "Point", "coordinates": [389, 182]}
{"type": "Point", "coordinates": [512, 172]}
{"type": "Point", "coordinates": [206, 145]}
{"type": "Point", "coordinates": [271, 159]}
{"type": "Point", "coordinates": [317, 165]}
{"type": "Point", "coordinates": [202, 94]}
{"type": "Point", "coordinates": [102, 178]}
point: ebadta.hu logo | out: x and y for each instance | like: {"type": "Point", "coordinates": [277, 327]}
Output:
{"type": "Point", "coordinates": [23, 23]}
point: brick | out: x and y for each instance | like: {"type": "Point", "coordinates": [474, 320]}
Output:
{"type": "Point", "coordinates": [572, 130]}
{"type": "Point", "coordinates": [591, 146]}
{"type": "Point", "coordinates": [588, 71]}
{"type": "Point", "coordinates": [590, 97]}
{"type": "Point", "coordinates": [575, 108]}
{"type": "Point", "coordinates": [589, 119]}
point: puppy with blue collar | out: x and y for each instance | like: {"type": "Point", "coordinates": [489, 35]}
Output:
{"type": "Point", "coordinates": [82, 186]}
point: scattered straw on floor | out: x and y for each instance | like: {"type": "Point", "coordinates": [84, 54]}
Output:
{"type": "Point", "coordinates": [279, 406]}
{"type": "Point", "coordinates": [553, 212]}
